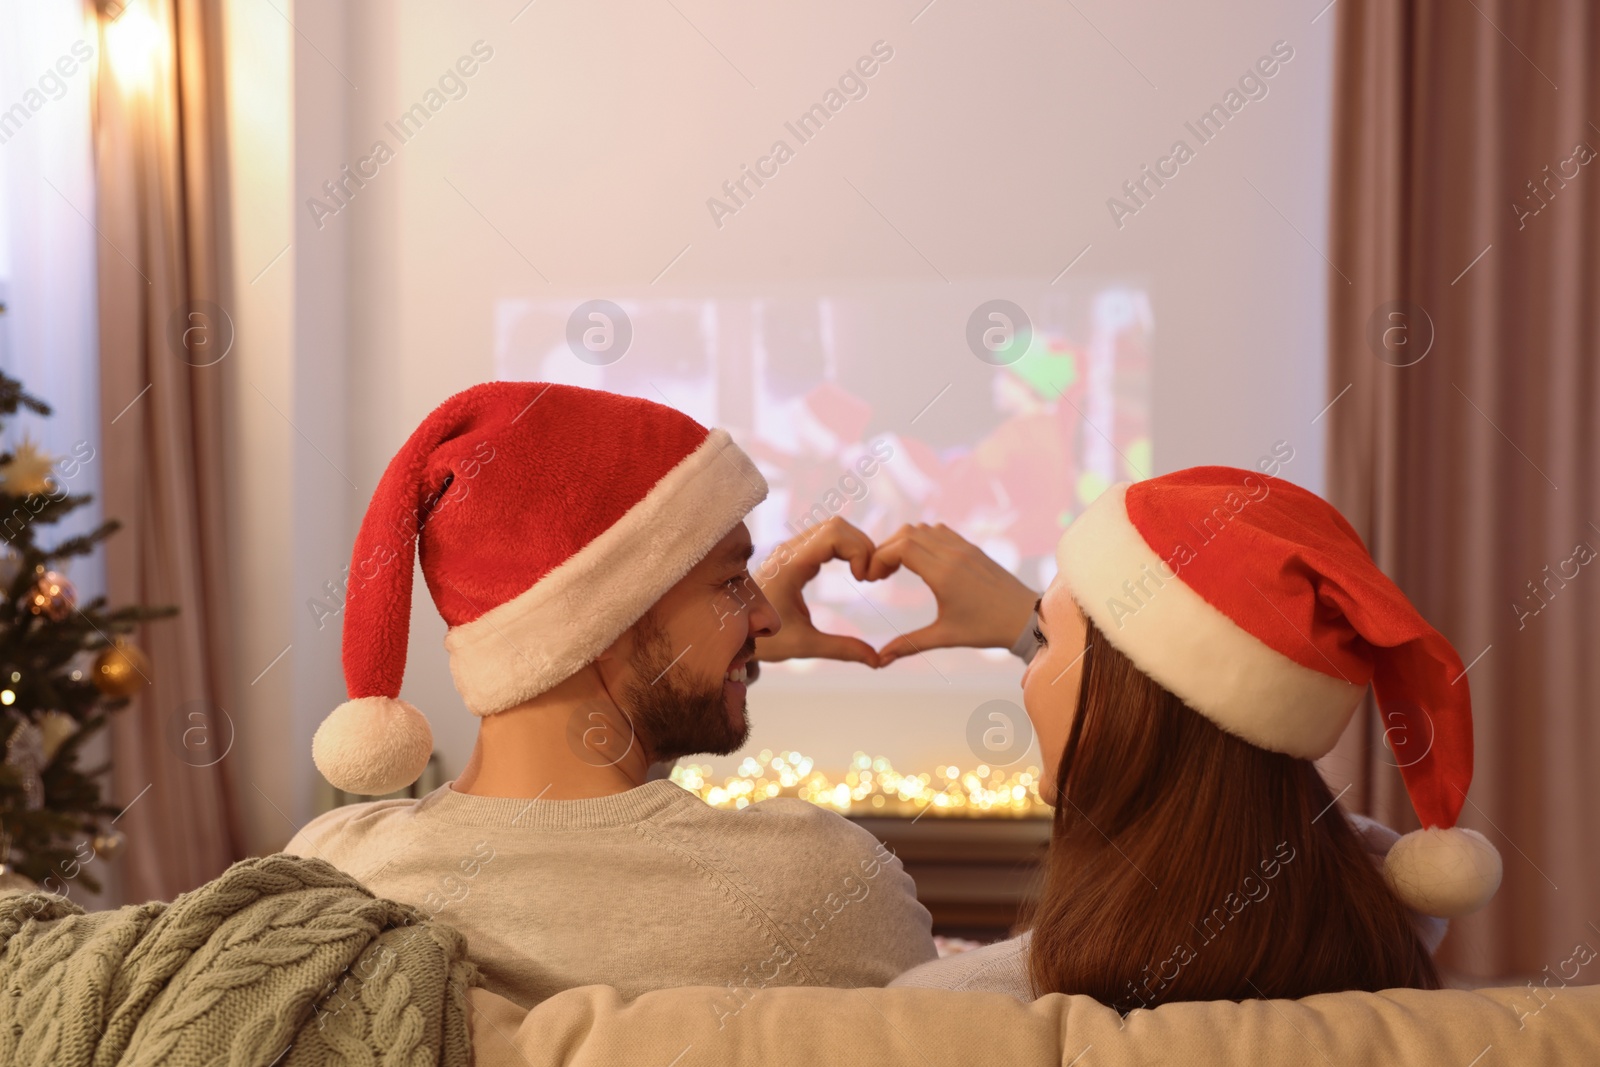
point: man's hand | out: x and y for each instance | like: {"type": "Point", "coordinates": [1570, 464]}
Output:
{"type": "Point", "coordinates": [783, 578]}
{"type": "Point", "coordinates": [981, 604]}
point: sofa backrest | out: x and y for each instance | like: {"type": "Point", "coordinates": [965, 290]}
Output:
{"type": "Point", "coordinates": [703, 1026]}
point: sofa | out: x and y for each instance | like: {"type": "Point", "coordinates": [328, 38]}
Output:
{"type": "Point", "coordinates": [287, 961]}
{"type": "Point", "coordinates": [593, 1027]}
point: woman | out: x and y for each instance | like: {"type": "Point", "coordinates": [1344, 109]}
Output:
{"type": "Point", "coordinates": [1208, 634]}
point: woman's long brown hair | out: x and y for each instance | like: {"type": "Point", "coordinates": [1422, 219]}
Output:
{"type": "Point", "coordinates": [1187, 864]}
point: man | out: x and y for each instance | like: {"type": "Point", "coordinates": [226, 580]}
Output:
{"type": "Point", "coordinates": [589, 554]}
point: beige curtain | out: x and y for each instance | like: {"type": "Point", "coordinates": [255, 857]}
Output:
{"type": "Point", "coordinates": [1463, 438]}
{"type": "Point", "coordinates": [160, 174]}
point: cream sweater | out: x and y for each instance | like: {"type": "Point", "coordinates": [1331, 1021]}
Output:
{"type": "Point", "coordinates": [643, 890]}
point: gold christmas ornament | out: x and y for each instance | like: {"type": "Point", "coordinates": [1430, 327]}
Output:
{"type": "Point", "coordinates": [28, 472]}
{"type": "Point", "coordinates": [120, 669]}
{"type": "Point", "coordinates": [52, 596]}
{"type": "Point", "coordinates": [54, 728]}
{"type": "Point", "coordinates": [108, 845]}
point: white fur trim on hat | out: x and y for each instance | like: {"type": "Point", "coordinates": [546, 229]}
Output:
{"type": "Point", "coordinates": [372, 745]}
{"type": "Point", "coordinates": [1191, 648]}
{"type": "Point", "coordinates": [539, 638]}
{"type": "Point", "coordinates": [1447, 873]}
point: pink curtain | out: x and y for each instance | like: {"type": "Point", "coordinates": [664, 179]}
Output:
{"type": "Point", "coordinates": [160, 174]}
{"type": "Point", "coordinates": [1463, 440]}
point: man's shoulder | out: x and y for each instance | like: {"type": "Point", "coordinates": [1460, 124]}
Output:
{"type": "Point", "coordinates": [803, 813]}
{"type": "Point", "coordinates": [819, 827]}
{"type": "Point", "coordinates": [346, 823]}
{"type": "Point", "coordinates": [834, 888]}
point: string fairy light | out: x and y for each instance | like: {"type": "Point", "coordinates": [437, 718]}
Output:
{"type": "Point", "coordinates": [871, 786]}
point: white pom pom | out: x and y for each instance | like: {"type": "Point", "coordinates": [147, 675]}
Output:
{"type": "Point", "coordinates": [372, 745]}
{"type": "Point", "coordinates": [1447, 873]}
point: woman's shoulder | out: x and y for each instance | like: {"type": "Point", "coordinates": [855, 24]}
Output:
{"type": "Point", "coordinates": [998, 968]}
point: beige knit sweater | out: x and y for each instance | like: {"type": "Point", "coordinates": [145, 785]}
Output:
{"type": "Point", "coordinates": [647, 889]}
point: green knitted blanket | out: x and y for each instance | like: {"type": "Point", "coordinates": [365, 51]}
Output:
{"type": "Point", "coordinates": [279, 960]}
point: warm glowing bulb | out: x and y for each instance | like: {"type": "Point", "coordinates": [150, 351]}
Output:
{"type": "Point", "coordinates": [7, 697]}
{"type": "Point", "coordinates": [132, 41]}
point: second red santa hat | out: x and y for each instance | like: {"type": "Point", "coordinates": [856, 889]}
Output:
{"type": "Point", "coordinates": [1256, 603]}
{"type": "Point", "coordinates": [548, 519]}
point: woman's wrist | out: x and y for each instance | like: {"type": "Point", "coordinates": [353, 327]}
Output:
{"type": "Point", "coordinates": [1026, 644]}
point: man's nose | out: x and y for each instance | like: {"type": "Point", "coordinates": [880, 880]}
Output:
{"type": "Point", "coordinates": [764, 620]}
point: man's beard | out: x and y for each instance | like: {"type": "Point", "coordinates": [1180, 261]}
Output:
{"type": "Point", "coordinates": [674, 718]}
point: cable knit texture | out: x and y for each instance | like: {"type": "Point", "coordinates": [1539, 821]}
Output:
{"type": "Point", "coordinates": [279, 960]}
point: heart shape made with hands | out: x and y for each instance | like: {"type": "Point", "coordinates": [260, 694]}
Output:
{"type": "Point", "coordinates": [980, 603]}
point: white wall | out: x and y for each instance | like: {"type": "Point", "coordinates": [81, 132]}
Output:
{"type": "Point", "coordinates": [272, 772]}
{"type": "Point", "coordinates": [580, 160]}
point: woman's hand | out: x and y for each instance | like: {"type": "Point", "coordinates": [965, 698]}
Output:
{"type": "Point", "coordinates": [783, 579]}
{"type": "Point", "coordinates": [981, 604]}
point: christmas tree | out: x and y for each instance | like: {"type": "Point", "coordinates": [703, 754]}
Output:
{"type": "Point", "coordinates": [64, 668]}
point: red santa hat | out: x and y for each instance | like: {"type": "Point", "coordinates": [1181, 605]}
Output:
{"type": "Point", "coordinates": [548, 519]}
{"type": "Point", "coordinates": [1257, 604]}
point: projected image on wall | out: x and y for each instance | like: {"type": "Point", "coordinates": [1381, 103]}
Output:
{"type": "Point", "coordinates": [813, 385]}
